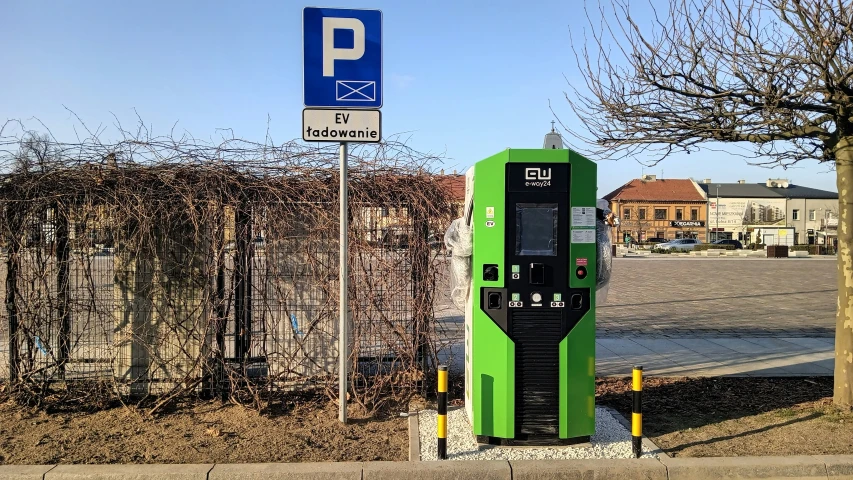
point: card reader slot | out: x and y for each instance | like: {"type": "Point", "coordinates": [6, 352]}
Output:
{"type": "Point", "coordinates": [537, 273]}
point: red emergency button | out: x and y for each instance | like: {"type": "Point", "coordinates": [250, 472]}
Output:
{"type": "Point", "coordinates": [581, 272]}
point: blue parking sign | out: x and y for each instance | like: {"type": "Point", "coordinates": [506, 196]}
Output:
{"type": "Point", "coordinates": [342, 51]}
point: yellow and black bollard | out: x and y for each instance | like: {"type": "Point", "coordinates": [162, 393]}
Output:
{"type": "Point", "coordinates": [442, 412]}
{"type": "Point", "coordinates": [637, 412]}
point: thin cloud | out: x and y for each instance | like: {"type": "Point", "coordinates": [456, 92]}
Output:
{"type": "Point", "coordinates": [402, 81]}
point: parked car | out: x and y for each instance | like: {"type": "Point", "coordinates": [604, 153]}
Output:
{"type": "Point", "coordinates": [728, 241]}
{"type": "Point", "coordinates": [680, 244]}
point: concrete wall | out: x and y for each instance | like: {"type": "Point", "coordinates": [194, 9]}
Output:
{"type": "Point", "coordinates": [161, 312]}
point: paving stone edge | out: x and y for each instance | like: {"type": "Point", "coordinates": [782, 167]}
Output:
{"type": "Point", "coordinates": [835, 467]}
{"type": "Point", "coordinates": [414, 437]}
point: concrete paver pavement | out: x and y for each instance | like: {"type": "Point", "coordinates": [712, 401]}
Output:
{"type": "Point", "coordinates": [685, 297]}
{"type": "Point", "coordinates": [700, 357]}
{"type": "Point", "coordinates": [750, 356]}
{"type": "Point", "coordinates": [706, 317]}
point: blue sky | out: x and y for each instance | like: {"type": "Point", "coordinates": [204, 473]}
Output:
{"type": "Point", "coordinates": [465, 79]}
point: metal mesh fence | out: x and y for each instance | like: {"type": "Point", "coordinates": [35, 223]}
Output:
{"type": "Point", "coordinates": [151, 282]}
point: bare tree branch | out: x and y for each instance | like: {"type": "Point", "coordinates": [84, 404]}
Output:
{"type": "Point", "coordinates": [772, 73]}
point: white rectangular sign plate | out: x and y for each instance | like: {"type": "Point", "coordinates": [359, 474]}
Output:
{"type": "Point", "coordinates": [341, 125]}
{"type": "Point", "coordinates": [586, 235]}
{"type": "Point", "coordinates": [583, 216]}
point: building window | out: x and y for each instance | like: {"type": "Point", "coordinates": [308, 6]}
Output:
{"type": "Point", "coordinates": [642, 214]}
{"type": "Point", "coordinates": [384, 211]}
{"type": "Point", "coordinates": [659, 235]}
{"type": "Point", "coordinates": [812, 215]}
{"type": "Point", "coordinates": [694, 214]}
{"type": "Point", "coordinates": [660, 214]}
{"type": "Point", "coordinates": [626, 214]}
{"type": "Point", "coordinates": [679, 214]}
{"type": "Point", "coordinates": [795, 215]}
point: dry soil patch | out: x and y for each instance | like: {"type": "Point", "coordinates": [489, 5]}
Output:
{"type": "Point", "coordinates": [729, 416]}
{"type": "Point", "coordinates": [208, 432]}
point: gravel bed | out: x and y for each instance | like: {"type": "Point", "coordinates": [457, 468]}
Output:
{"type": "Point", "coordinates": [611, 440]}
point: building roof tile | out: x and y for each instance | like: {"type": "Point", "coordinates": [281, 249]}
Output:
{"type": "Point", "coordinates": [455, 184]}
{"type": "Point", "coordinates": [677, 190]}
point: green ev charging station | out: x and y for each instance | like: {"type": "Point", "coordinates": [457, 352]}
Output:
{"type": "Point", "coordinates": [530, 313]}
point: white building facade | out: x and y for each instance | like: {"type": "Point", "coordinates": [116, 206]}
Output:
{"type": "Point", "coordinates": [774, 213]}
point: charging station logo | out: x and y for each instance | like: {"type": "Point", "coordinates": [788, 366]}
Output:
{"type": "Point", "coordinates": [537, 177]}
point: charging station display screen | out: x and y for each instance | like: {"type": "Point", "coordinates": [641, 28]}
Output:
{"type": "Point", "coordinates": [536, 229]}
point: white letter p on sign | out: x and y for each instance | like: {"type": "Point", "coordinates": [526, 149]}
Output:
{"type": "Point", "coordinates": [330, 53]}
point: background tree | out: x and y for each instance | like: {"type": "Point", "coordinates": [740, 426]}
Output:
{"type": "Point", "coordinates": [775, 75]}
{"type": "Point", "coordinates": [634, 223]}
{"type": "Point", "coordinates": [37, 154]}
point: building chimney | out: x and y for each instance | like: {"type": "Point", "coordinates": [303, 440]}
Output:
{"type": "Point", "coordinates": [741, 182]}
{"type": "Point", "coordinates": [777, 182]}
{"type": "Point", "coordinates": [442, 172]}
{"type": "Point", "coordinates": [707, 181]}
{"type": "Point", "coordinates": [649, 178]}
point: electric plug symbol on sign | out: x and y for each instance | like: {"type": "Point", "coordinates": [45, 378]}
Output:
{"type": "Point", "coordinates": [342, 51]}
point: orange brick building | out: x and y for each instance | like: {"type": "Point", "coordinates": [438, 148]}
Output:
{"type": "Point", "coordinates": [652, 208]}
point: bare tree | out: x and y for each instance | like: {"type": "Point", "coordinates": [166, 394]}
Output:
{"type": "Point", "coordinates": [636, 221]}
{"type": "Point", "coordinates": [774, 76]}
{"type": "Point", "coordinates": [37, 154]}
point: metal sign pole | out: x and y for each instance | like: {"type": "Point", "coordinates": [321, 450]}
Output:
{"type": "Point", "coordinates": [343, 338]}
{"type": "Point", "coordinates": [332, 78]}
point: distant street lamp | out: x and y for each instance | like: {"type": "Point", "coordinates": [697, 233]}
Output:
{"type": "Point", "coordinates": [717, 230]}
{"type": "Point", "coordinates": [826, 215]}
{"type": "Point", "coordinates": [820, 224]}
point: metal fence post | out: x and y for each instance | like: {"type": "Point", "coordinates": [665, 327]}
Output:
{"type": "Point", "coordinates": [419, 252]}
{"type": "Point", "coordinates": [60, 220]}
{"type": "Point", "coordinates": [243, 282]}
{"type": "Point", "coordinates": [12, 264]}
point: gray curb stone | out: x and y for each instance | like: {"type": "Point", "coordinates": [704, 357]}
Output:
{"type": "Point", "coordinates": [130, 472]}
{"type": "Point", "coordinates": [838, 467]}
{"type": "Point", "coordinates": [24, 472]}
{"type": "Point", "coordinates": [455, 470]}
{"type": "Point", "coordinates": [834, 467]}
{"type": "Point", "coordinates": [287, 471]}
{"type": "Point", "coordinates": [794, 467]}
{"type": "Point", "coordinates": [609, 469]}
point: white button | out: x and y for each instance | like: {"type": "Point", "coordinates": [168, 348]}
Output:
{"type": "Point", "coordinates": [536, 297]}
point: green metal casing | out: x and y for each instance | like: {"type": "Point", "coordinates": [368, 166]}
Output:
{"type": "Point", "coordinates": [490, 353]}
